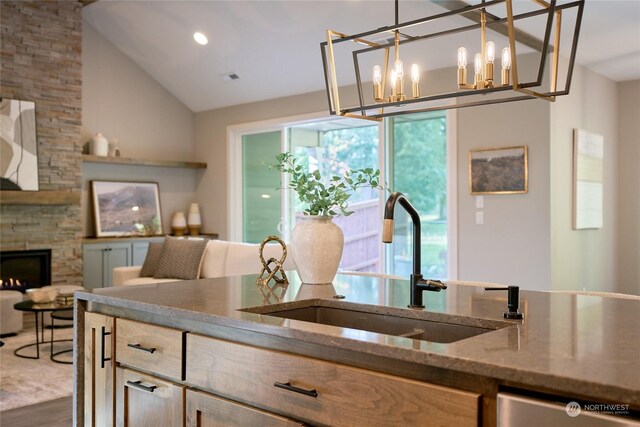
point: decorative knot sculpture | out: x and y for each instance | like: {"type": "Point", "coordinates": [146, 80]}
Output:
{"type": "Point", "coordinates": [272, 276]}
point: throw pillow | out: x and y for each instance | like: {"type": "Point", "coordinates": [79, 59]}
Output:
{"type": "Point", "coordinates": [152, 261]}
{"type": "Point", "coordinates": [181, 259]}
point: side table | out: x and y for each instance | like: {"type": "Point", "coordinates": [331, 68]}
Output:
{"type": "Point", "coordinates": [60, 315]}
{"type": "Point", "coordinates": [38, 310]}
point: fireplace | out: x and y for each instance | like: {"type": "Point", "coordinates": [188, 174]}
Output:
{"type": "Point", "coordinates": [22, 270]}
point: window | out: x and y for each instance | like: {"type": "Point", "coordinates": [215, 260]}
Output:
{"type": "Point", "coordinates": [414, 156]}
{"type": "Point", "coordinates": [417, 167]}
{"type": "Point", "coordinates": [333, 147]}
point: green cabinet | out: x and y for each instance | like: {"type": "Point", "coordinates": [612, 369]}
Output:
{"type": "Point", "coordinates": [99, 260]}
{"type": "Point", "coordinates": [139, 252]}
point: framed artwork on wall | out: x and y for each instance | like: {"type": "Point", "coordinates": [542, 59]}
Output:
{"type": "Point", "coordinates": [18, 145]}
{"type": "Point", "coordinates": [588, 179]}
{"type": "Point", "coordinates": [503, 170]}
{"type": "Point", "coordinates": [126, 208]}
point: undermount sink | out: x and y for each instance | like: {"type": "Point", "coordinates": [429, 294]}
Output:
{"type": "Point", "coordinates": [419, 325]}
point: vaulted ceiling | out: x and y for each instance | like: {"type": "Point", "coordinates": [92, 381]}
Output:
{"type": "Point", "coordinates": [273, 46]}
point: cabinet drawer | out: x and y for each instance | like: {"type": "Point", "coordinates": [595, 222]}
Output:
{"type": "Point", "coordinates": [146, 401]}
{"type": "Point", "coordinates": [322, 392]}
{"type": "Point", "coordinates": [150, 347]}
{"type": "Point", "coordinates": [205, 410]}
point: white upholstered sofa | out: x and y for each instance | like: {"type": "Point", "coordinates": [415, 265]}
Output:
{"type": "Point", "coordinates": [220, 259]}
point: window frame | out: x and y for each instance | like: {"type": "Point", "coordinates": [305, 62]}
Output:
{"type": "Point", "coordinates": [282, 124]}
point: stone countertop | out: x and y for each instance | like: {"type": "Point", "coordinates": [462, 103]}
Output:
{"type": "Point", "coordinates": [585, 345]}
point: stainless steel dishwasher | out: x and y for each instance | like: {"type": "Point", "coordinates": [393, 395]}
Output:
{"type": "Point", "coordinates": [519, 411]}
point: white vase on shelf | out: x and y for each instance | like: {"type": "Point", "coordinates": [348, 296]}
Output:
{"type": "Point", "coordinates": [99, 146]}
{"type": "Point", "coordinates": [114, 149]}
{"type": "Point", "coordinates": [194, 221]}
{"type": "Point", "coordinates": [178, 224]}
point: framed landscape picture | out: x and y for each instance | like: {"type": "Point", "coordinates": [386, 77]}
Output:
{"type": "Point", "coordinates": [502, 170]}
{"type": "Point", "coordinates": [126, 208]}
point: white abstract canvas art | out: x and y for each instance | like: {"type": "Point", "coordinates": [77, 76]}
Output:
{"type": "Point", "coordinates": [18, 145]}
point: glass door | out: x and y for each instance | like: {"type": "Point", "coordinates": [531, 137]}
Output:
{"type": "Point", "coordinates": [332, 147]}
{"type": "Point", "coordinates": [418, 159]}
{"type": "Point", "coordinates": [261, 199]}
{"type": "Point", "coordinates": [417, 167]}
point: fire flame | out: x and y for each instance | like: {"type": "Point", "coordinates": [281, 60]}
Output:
{"type": "Point", "coordinates": [10, 283]}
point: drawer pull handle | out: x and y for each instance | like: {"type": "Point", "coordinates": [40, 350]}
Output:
{"type": "Point", "coordinates": [139, 347]}
{"type": "Point", "coordinates": [288, 386]}
{"type": "Point", "coordinates": [103, 335]}
{"type": "Point", "coordinates": [139, 385]}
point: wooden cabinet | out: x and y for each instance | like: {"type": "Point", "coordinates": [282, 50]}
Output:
{"type": "Point", "coordinates": [165, 376]}
{"type": "Point", "coordinates": [98, 370]}
{"type": "Point", "coordinates": [322, 393]}
{"type": "Point", "coordinates": [206, 410]}
{"type": "Point", "coordinates": [146, 401]}
{"type": "Point", "coordinates": [99, 260]}
{"type": "Point", "coordinates": [151, 348]}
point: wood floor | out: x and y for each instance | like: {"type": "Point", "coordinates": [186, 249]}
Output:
{"type": "Point", "coordinates": [54, 413]}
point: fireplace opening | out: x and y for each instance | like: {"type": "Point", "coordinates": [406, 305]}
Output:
{"type": "Point", "coordinates": [22, 270]}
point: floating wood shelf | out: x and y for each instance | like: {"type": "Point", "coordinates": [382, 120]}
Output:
{"type": "Point", "coordinates": [87, 158]}
{"type": "Point", "coordinates": [143, 238]}
{"type": "Point", "coordinates": [46, 197]}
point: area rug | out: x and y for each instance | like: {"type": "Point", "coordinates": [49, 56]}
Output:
{"type": "Point", "coordinates": [28, 381]}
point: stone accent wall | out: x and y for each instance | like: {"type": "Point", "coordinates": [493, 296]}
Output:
{"type": "Point", "coordinates": [41, 61]}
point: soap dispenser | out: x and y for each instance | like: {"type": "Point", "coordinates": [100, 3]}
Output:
{"type": "Point", "coordinates": [513, 301]}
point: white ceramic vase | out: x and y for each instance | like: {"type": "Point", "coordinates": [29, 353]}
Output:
{"type": "Point", "coordinates": [178, 223]}
{"type": "Point", "coordinates": [316, 248]}
{"type": "Point", "coordinates": [99, 146]}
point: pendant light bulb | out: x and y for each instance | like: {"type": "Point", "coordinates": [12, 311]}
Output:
{"type": "Point", "coordinates": [477, 63]}
{"type": "Point", "coordinates": [415, 81]}
{"type": "Point", "coordinates": [393, 82]}
{"type": "Point", "coordinates": [462, 57]}
{"type": "Point", "coordinates": [506, 66]}
{"type": "Point", "coordinates": [377, 86]}
{"type": "Point", "coordinates": [377, 74]}
{"type": "Point", "coordinates": [490, 52]}
{"type": "Point", "coordinates": [506, 58]}
{"type": "Point", "coordinates": [415, 73]}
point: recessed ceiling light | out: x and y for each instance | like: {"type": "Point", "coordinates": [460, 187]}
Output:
{"type": "Point", "coordinates": [200, 38]}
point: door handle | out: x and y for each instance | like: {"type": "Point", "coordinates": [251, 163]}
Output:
{"type": "Point", "coordinates": [288, 386]}
{"type": "Point", "coordinates": [103, 335]}
{"type": "Point", "coordinates": [140, 386]}
{"type": "Point", "coordinates": [139, 347]}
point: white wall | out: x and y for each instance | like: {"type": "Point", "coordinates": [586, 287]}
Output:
{"type": "Point", "coordinates": [512, 246]}
{"type": "Point", "coordinates": [122, 101]}
{"type": "Point", "coordinates": [584, 259]}
{"type": "Point", "coordinates": [629, 187]}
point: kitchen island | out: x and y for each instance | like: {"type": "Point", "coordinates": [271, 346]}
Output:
{"type": "Point", "coordinates": [189, 350]}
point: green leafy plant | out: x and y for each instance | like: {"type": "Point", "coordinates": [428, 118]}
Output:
{"type": "Point", "coordinates": [325, 197]}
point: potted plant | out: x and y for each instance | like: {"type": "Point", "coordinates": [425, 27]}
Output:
{"type": "Point", "coordinates": [317, 242]}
